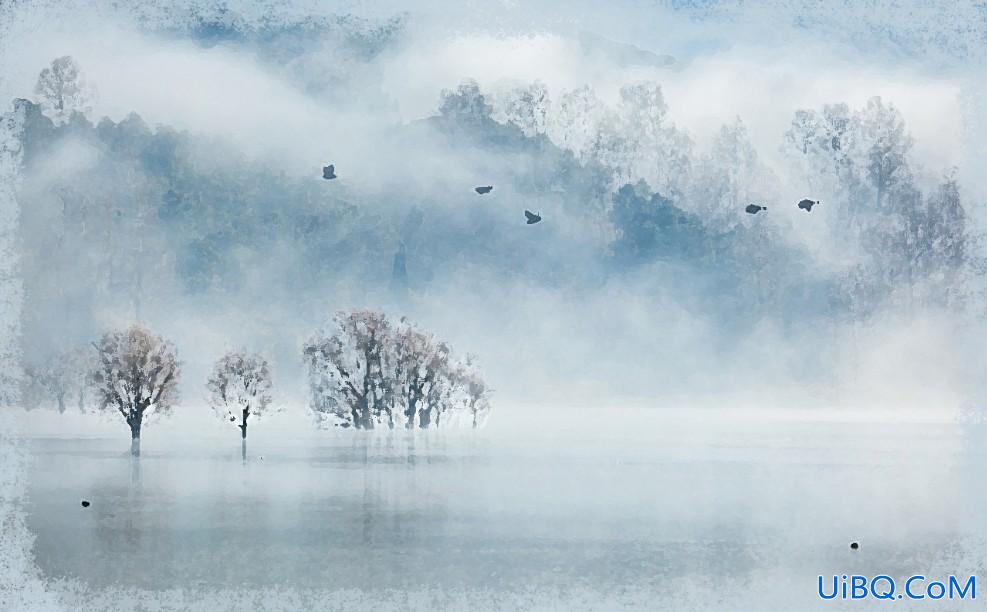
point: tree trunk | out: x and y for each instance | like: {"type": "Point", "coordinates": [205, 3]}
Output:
{"type": "Point", "coordinates": [61, 403]}
{"type": "Point", "coordinates": [361, 412]}
{"type": "Point", "coordinates": [409, 412]}
{"type": "Point", "coordinates": [135, 437]}
{"type": "Point", "coordinates": [243, 435]}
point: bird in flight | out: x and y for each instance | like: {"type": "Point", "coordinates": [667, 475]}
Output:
{"type": "Point", "coordinates": [483, 190]}
{"type": "Point", "coordinates": [531, 217]}
{"type": "Point", "coordinates": [754, 208]}
{"type": "Point", "coordinates": [807, 205]}
{"type": "Point", "coordinates": [329, 172]}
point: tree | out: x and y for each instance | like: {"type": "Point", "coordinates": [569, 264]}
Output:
{"type": "Point", "coordinates": [240, 388]}
{"type": "Point", "coordinates": [661, 153]}
{"type": "Point", "coordinates": [137, 375]}
{"type": "Point", "coordinates": [610, 147]}
{"type": "Point", "coordinates": [576, 122]}
{"type": "Point", "coordinates": [527, 107]}
{"type": "Point", "coordinates": [826, 145]}
{"type": "Point", "coordinates": [883, 129]}
{"type": "Point", "coordinates": [474, 395]}
{"type": "Point", "coordinates": [347, 369]}
{"type": "Point", "coordinates": [466, 103]}
{"type": "Point", "coordinates": [421, 367]}
{"type": "Point", "coordinates": [946, 250]}
{"type": "Point", "coordinates": [900, 236]}
{"type": "Point", "coordinates": [922, 240]}
{"type": "Point", "coordinates": [650, 226]}
{"type": "Point", "coordinates": [365, 372]}
{"type": "Point", "coordinates": [859, 157]}
{"type": "Point", "coordinates": [728, 177]}
{"type": "Point", "coordinates": [63, 374]}
{"type": "Point", "coordinates": [62, 90]}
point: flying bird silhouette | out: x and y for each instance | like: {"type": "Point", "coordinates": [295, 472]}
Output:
{"type": "Point", "coordinates": [807, 205]}
{"type": "Point", "coordinates": [329, 172]}
{"type": "Point", "coordinates": [85, 503]}
{"type": "Point", "coordinates": [531, 217]}
{"type": "Point", "coordinates": [483, 190]}
{"type": "Point", "coordinates": [754, 208]}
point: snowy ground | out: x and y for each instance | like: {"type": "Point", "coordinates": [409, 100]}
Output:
{"type": "Point", "coordinates": [723, 511]}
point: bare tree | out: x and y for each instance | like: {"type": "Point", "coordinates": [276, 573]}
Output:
{"type": "Point", "coordinates": [62, 90]}
{"type": "Point", "coordinates": [240, 388]}
{"type": "Point", "coordinates": [136, 374]}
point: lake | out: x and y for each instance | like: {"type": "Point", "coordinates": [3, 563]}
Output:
{"type": "Point", "coordinates": [729, 505]}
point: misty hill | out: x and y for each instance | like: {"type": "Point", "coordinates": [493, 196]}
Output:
{"type": "Point", "coordinates": [119, 217]}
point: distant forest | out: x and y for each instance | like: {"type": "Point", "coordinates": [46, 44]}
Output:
{"type": "Point", "coordinates": [118, 218]}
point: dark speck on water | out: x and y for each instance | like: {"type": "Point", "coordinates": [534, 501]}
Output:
{"type": "Point", "coordinates": [85, 504]}
{"type": "Point", "coordinates": [854, 546]}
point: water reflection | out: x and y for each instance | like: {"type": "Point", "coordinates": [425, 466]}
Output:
{"type": "Point", "coordinates": [406, 511]}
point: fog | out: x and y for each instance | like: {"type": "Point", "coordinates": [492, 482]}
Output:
{"type": "Point", "coordinates": [646, 319]}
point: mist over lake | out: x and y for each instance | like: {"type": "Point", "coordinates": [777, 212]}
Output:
{"type": "Point", "coordinates": [511, 306]}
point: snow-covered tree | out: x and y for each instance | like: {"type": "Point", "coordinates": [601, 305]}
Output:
{"type": "Point", "coordinates": [886, 156]}
{"type": "Point", "coordinates": [904, 239]}
{"type": "Point", "coordinates": [575, 123]}
{"type": "Point", "coordinates": [610, 147]}
{"type": "Point", "coordinates": [365, 372]}
{"type": "Point", "coordinates": [826, 148]}
{"type": "Point", "coordinates": [420, 366]}
{"type": "Point", "coordinates": [240, 388]}
{"type": "Point", "coordinates": [728, 177]}
{"type": "Point", "coordinates": [946, 249]}
{"type": "Point", "coordinates": [472, 396]}
{"type": "Point", "coordinates": [634, 141]}
{"type": "Point", "coordinates": [528, 107]}
{"type": "Point", "coordinates": [137, 375]}
{"type": "Point", "coordinates": [62, 90]}
{"type": "Point", "coordinates": [348, 369]}
{"type": "Point", "coordinates": [660, 152]}
{"type": "Point", "coordinates": [858, 158]}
